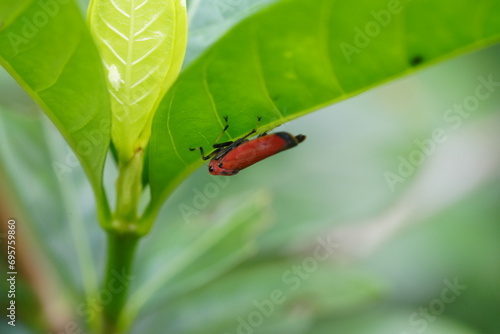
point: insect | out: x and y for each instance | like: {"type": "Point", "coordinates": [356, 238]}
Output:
{"type": "Point", "coordinates": [230, 157]}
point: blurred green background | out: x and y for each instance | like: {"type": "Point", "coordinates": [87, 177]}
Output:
{"type": "Point", "coordinates": [222, 248]}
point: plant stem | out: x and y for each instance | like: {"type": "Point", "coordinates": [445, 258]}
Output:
{"type": "Point", "coordinates": [128, 194]}
{"type": "Point", "coordinates": [121, 250]}
{"type": "Point", "coordinates": [123, 237]}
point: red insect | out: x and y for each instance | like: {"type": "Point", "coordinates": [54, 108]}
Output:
{"type": "Point", "coordinates": [231, 157]}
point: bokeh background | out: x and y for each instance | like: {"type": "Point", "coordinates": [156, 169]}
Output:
{"type": "Point", "coordinates": [223, 247]}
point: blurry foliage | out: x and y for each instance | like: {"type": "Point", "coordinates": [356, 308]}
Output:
{"type": "Point", "coordinates": [237, 245]}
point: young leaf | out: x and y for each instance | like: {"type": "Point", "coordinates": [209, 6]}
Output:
{"type": "Point", "coordinates": [46, 47]}
{"type": "Point", "coordinates": [298, 56]}
{"type": "Point", "coordinates": [142, 44]}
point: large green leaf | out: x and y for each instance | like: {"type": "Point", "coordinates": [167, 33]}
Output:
{"type": "Point", "coordinates": [46, 47]}
{"type": "Point", "coordinates": [298, 56]}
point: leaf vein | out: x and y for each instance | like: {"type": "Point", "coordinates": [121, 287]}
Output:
{"type": "Point", "coordinates": [140, 5]}
{"type": "Point", "coordinates": [169, 131]}
{"type": "Point", "coordinates": [150, 51]}
{"type": "Point", "coordinates": [61, 68]}
{"type": "Point", "coordinates": [149, 23]}
{"type": "Point", "coordinates": [105, 42]}
{"type": "Point", "coordinates": [116, 97]}
{"type": "Point", "coordinates": [110, 26]}
{"type": "Point", "coordinates": [206, 86]}
{"type": "Point", "coordinates": [153, 70]}
{"type": "Point", "coordinates": [324, 33]}
{"type": "Point", "coordinates": [142, 97]}
{"type": "Point", "coordinates": [260, 74]}
{"type": "Point", "coordinates": [119, 9]}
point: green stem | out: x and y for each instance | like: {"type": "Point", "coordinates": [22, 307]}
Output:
{"type": "Point", "coordinates": [128, 193]}
{"type": "Point", "coordinates": [123, 238]}
{"type": "Point", "coordinates": [121, 250]}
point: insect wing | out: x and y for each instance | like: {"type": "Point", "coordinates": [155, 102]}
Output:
{"type": "Point", "coordinates": [254, 151]}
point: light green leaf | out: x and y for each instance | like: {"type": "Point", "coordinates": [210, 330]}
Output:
{"type": "Point", "coordinates": [298, 56]}
{"type": "Point", "coordinates": [48, 50]}
{"type": "Point", "coordinates": [142, 44]}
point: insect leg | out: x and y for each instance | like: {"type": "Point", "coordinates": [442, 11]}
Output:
{"type": "Point", "coordinates": [221, 134]}
{"type": "Point", "coordinates": [253, 131]}
{"type": "Point", "coordinates": [203, 156]}
{"type": "Point", "coordinates": [224, 144]}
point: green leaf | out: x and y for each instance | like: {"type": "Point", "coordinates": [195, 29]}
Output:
{"type": "Point", "coordinates": [393, 320]}
{"type": "Point", "coordinates": [218, 306]}
{"type": "Point", "coordinates": [48, 50]}
{"type": "Point", "coordinates": [296, 57]}
{"type": "Point", "coordinates": [142, 44]}
{"type": "Point", "coordinates": [210, 253]}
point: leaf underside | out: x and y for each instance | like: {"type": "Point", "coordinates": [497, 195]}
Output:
{"type": "Point", "coordinates": [296, 57]}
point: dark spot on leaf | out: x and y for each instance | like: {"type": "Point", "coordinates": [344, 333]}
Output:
{"type": "Point", "coordinates": [417, 60]}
